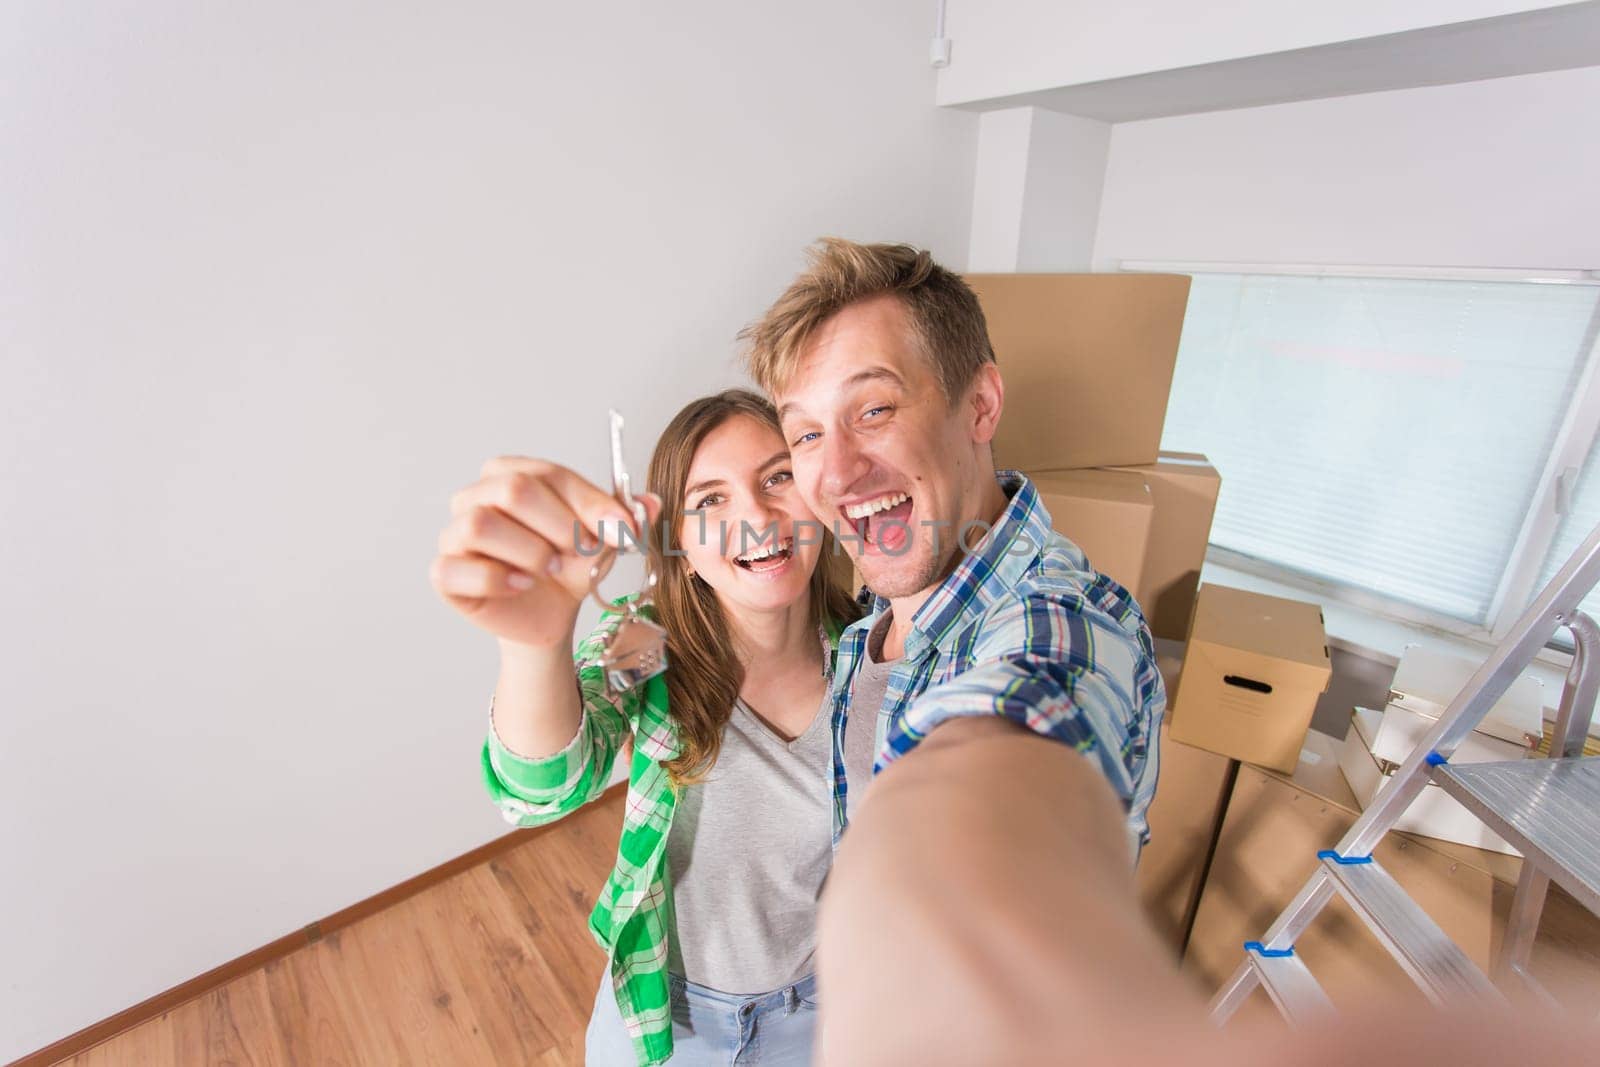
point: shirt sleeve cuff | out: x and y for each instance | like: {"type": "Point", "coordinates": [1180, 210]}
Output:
{"type": "Point", "coordinates": [542, 779]}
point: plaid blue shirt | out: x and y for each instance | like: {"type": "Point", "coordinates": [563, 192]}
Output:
{"type": "Point", "coordinates": [1023, 628]}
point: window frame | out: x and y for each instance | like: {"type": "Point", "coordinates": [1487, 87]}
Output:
{"type": "Point", "coordinates": [1578, 431]}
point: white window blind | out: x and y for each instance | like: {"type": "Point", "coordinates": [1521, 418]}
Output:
{"type": "Point", "coordinates": [1384, 434]}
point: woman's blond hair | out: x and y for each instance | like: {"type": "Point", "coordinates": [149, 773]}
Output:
{"type": "Point", "coordinates": [943, 311]}
{"type": "Point", "coordinates": [705, 675]}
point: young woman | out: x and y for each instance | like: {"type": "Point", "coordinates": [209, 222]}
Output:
{"type": "Point", "coordinates": [709, 915]}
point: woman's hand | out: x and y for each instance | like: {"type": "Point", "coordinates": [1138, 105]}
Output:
{"type": "Point", "coordinates": [516, 554]}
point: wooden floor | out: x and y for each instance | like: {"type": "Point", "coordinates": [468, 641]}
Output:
{"type": "Point", "coordinates": [493, 966]}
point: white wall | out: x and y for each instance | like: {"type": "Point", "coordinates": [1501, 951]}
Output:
{"type": "Point", "coordinates": [1487, 174]}
{"type": "Point", "coordinates": [1003, 47]}
{"type": "Point", "coordinates": [274, 281]}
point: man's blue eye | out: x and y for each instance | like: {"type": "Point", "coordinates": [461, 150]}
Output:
{"type": "Point", "coordinates": [803, 438]}
{"type": "Point", "coordinates": [874, 411]}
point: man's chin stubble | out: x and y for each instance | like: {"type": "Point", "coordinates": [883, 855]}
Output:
{"type": "Point", "coordinates": [901, 577]}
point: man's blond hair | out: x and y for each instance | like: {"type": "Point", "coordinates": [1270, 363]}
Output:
{"type": "Point", "coordinates": [944, 312]}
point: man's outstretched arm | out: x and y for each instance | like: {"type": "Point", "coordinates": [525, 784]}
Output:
{"type": "Point", "coordinates": [981, 910]}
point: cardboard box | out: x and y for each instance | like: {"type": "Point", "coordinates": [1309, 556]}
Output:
{"type": "Point", "coordinates": [1106, 513]}
{"type": "Point", "coordinates": [1184, 819]}
{"type": "Point", "coordinates": [1394, 732]}
{"type": "Point", "coordinates": [1434, 813]}
{"type": "Point", "coordinates": [1427, 681]}
{"type": "Point", "coordinates": [1183, 487]}
{"type": "Point", "coordinates": [1252, 673]}
{"type": "Point", "coordinates": [1087, 361]}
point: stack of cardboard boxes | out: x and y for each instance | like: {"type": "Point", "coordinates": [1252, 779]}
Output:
{"type": "Point", "coordinates": [1087, 361]}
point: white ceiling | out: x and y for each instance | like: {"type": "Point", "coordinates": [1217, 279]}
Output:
{"type": "Point", "coordinates": [1550, 39]}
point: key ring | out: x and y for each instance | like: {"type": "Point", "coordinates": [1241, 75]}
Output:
{"type": "Point", "coordinates": [597, 574]}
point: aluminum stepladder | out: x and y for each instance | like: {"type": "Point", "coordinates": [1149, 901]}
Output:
{"type": "Point", "coordinates": [1548, 809]}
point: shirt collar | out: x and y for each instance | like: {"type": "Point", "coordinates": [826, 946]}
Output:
{"type": "Point", "coordinates": [994, 567]}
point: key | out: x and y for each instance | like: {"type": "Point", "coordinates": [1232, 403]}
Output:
{"type": "Point", "coordinates": [636, 651]}
{"type": "Point", "coordinates": [620, 482]}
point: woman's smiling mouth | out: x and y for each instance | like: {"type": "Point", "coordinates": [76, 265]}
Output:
{"type": "Point", "coordinates": [768, 557]}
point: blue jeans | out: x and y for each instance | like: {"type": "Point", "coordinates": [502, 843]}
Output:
{"type": "Point", "coordinates": [709, 1027]}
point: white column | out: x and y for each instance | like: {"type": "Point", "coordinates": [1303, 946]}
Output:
{"type": "Point", "coordinates": [1061, 202]}
{"type": "Point", "coordinates": [1036, 192]}
{"type": "Point", "coordinates": [997, 190]}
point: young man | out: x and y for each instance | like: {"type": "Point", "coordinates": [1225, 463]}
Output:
{"type": "Point", "coordinates": [880, 364]}
{"type": "Point", "coordinates": [982, 910]}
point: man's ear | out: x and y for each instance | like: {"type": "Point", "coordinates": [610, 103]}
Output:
{"type": "Point", "coordinates": [986, 396]}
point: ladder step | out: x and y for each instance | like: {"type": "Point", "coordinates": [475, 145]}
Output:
{"type": "Point", "coordinates": [1427, 954]}
{"type": "Point", "coordinates": [1298, 995]}
{"type": "Point", "coordinates": [1547, 809]}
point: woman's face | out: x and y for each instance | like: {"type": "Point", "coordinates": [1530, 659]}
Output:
{"type": "Point", "coordinates": [738, 531]}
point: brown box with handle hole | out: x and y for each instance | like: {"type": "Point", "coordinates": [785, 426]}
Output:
{"type": "Point", "coordinates": [1252, 673]}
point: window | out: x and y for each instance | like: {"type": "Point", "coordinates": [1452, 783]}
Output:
{"type": "Point", "coordinates": [1401, 437]}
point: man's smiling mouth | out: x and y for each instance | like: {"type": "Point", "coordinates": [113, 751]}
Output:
{"type": "Point", "coordinates": [865, 514]}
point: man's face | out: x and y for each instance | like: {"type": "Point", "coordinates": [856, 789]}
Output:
{"type": "Point", "coordinates": [878, 450]}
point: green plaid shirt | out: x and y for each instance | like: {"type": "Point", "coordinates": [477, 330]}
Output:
{"type": "Point", "coordinates": [632, 916]}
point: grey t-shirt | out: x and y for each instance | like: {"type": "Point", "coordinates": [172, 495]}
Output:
{"type": "Point", "coordinates": [749, 848]}
{"type": "Point", "coordinates": [865, 727]}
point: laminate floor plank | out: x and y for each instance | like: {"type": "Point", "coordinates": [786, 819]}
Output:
{"type": "Point", "coordinates": [309, 1022]}
{"type": "Point", "coordinates": [511, 985]}
{"type": "Point", "coordinates": [233, 1027]}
